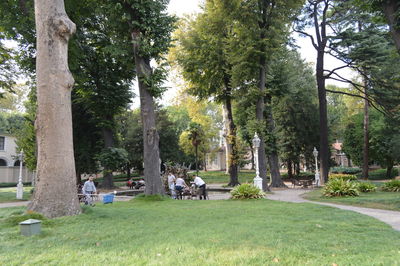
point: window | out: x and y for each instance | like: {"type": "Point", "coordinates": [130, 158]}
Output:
{"type": "Point", "coordinates": [2, 142]}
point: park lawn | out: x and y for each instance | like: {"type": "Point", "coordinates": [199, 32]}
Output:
{"type": "Point", "coordinates": [377, 200]}
{"type": "Point", "coordinates": [224, 232]}
{"type": "Point", "coordinates": [9, 194]}
{"type": "Point", "coordinates": [220, 177]}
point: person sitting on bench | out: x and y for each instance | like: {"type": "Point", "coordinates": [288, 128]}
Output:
{"type": "Point", "coordinates": [202, 186]}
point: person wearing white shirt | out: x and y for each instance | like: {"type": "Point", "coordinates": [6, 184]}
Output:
{"type": "Point", "coordinates": [179, 185]}
{"type": "Point", "coordinates": [88, 189]}
{"type": "Point", "coordinates": [199, 182]}
{"type": "Point", "coordinates": [171, 185]}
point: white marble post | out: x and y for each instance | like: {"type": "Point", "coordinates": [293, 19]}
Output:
{"type": "Point", "coordinates": [256, 144]}
{"type": "Point", "coordinates": [20, 186]}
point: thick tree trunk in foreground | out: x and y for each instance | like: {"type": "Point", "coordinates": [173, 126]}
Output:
{"type": "Point", "coordinates": [151, 138]}
{"type": "Point", "coordinates": [108, 137]}
{"type": "Point", "coordinates": [391, 9]}
{"type": "Point", "coordinates": [55, 194]}
{"type": "Point", "coordinates": [366, 136]}
{"type": "Point", "coordinates": [231, 143]}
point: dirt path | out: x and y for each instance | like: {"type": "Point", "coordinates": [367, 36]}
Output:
{"type": "Point", "coordinates": [392, 218]}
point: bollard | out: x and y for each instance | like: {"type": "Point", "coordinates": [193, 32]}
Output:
{"type": "Point", "coordinates": [30, 227]}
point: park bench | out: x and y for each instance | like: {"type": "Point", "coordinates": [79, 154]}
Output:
{"type": "Point", "coordinates": [304, 183]}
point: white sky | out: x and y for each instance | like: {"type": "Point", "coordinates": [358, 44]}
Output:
{"type": "Point", "coordinates": [307, 51]}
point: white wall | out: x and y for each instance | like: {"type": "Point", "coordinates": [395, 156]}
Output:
{"type": "Point", "coordinates": [9, 150]}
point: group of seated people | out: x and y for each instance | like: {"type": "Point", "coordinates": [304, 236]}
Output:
{"type": "Point", "coordinates": [135, 184]}
{"type": "Point", "coordinates": [177, 186]}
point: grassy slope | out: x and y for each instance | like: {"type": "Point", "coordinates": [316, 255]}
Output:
{"type": "Point", "coordinates": [9, 194]}
{"type": "Point", "coordinates": [377, 200]}
{"type": "Point", "coordinates": [204, 233]}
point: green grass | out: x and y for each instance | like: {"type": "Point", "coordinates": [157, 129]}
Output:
{"type": "Point", "coordinates": [255, 232]}
{"type": "Point", "coordinates": [219, 177]}
{"type": "Point", "coordinates": [377, 200]}
{"type": "Point", "coordinates": [9, 194]}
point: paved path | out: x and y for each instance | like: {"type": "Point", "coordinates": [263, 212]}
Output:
{"type": "Point", "coordinates": [293, 195]}
{"type": "Point", "coordinates": [13, 204]}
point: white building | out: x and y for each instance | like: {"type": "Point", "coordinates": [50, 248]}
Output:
{"type": "Point", "coordinates": [8, 150]}
{"type": "Point", "coordinates": [9, 161]}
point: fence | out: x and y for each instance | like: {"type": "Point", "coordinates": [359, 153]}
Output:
{"type": "Point", "coordinates": [10, 174]}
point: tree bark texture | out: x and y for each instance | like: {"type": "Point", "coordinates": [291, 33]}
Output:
{"type": "Point", "coordinates": [289, 169]}
{"type": "Point", "coordinates": [320, 45]}
{"type": "Point", "coordinates": [231, 142]}
{"type": "Point", "coordinates": [262, 164]}
{"type": "Point", "coordinates": [108, 138]}
{"type": "Point", "coordinates": [323, 118]}
{"type": "Point", "coordinates": [56, 193]}
{"type": "Point", "coordinates": [225, 134]}
{"type": "Point", "coordinates": [391, 10]}
{"type": "Point", "coordinates": [151, 138]}
{"type": "Point", "coordinates": [273, 160]}
{"type": "Point", "coordinates": [366, 136]}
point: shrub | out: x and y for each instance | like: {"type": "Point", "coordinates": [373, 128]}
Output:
{"type": "Point", "coordinates": [343, 177]}
{"type": "Point", "coordinates": [16, 219]}
{"type": "Point", "coordinates": [380, 174]}
{"type": "Point", "coordinates": [302, 175]}
{"type": "Point", "coordinates": [345, 170]}
{"type": "Point", "coordinates": [366, 187]}
{"type": "Point", "coordinates": [247, 191]}
{"type": "Point", "coordinates": [338, 188]}
{"type": "Point", "coordinates": [392, 186]}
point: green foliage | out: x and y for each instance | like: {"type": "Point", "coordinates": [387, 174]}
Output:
{"type": "Point", "coordinates": [302, 175]}
{"type": "Point", "coordinates": [345, 170]}
{"type": "Point", "coordinates": [16, 219]}
{"type": "Point", "coordinates": [381, 174]}
{"type": "Point", "coordinates": [26, 135]}
{"type": "Point", "coordinates": [391, 186]}
{"type": "Point", "coordinates": [294, 106]}
{"type": "Point", "coordinates": [150, 19]}
{"type": "Point", "coordinates": [344, 177]}
{"type": "Point", "coordinates": [113, 159]}
{"type": "Point", "coordinates": [338, 187]}
{"type": "Point", "coordinates": [247, 191]}
{"type": "Point", "coordinates": [366, 187]}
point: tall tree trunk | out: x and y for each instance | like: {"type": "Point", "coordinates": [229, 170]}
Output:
{"type": "Point", "coordinates": [225, 134]}
{"type": "Point", "coordinates": [389, 168]}
{"type": "Point", "coordinates": [391, 9]}
{"type": "Point", "coordinates": [151, 138]}
{"type": "Point", "coordinates": [128, 171]}
{"type": "Point", "coordinates": [78, 177]}
{"type": "Point", "coordinates": [55, 194]}
{"type": "Point", "coordinates": [273, 160]}
{"type": "Point", "coordinates": [252, 158]}
{"type": "Point", "coordinates": [289, 169]}
{"type": "Point", "coordinates": [262, 165]}
{"type": "Point", "coordinates": [231, 141]}
{"type": "Point", "coordinates": [108, 137]}
{"type": "Point", "coordinates": [366, 136]}
{"type": "Point", "coordinates": [196, 150]}
{"type": "Point", "coordinates": [323, 118]}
